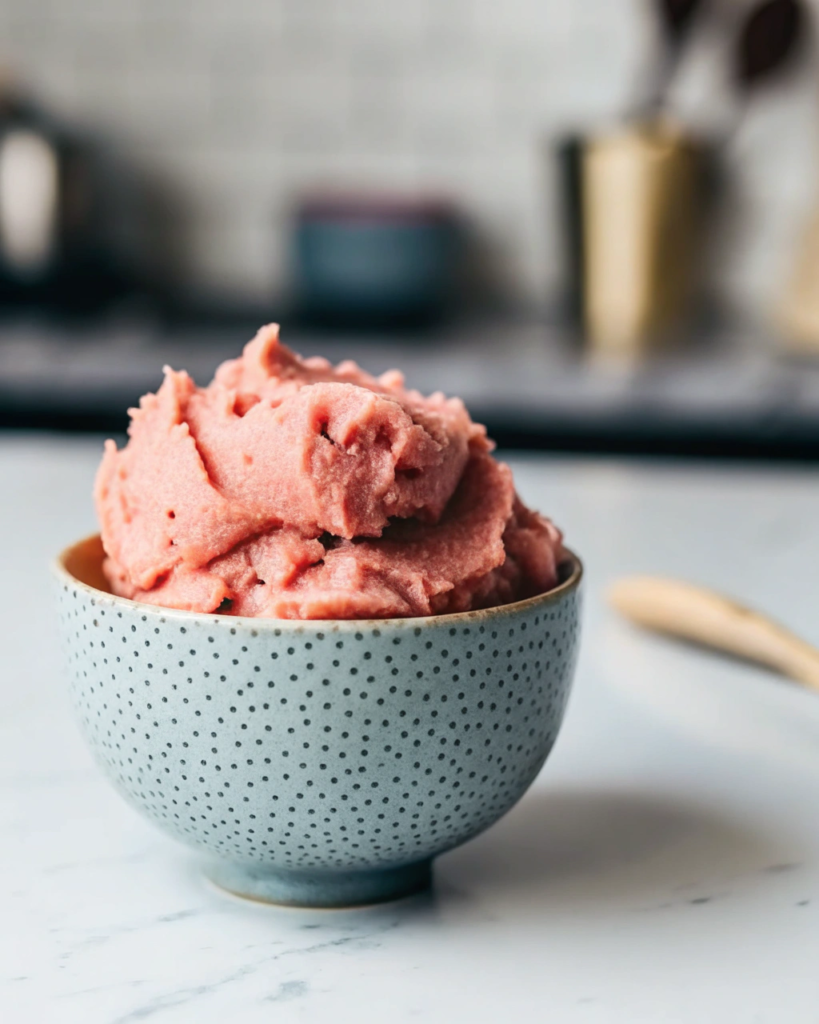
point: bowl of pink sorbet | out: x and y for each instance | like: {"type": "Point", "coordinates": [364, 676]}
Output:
{"type": "Point", "coordinates": [319, 638]}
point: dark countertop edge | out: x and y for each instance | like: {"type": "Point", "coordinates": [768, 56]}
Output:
{"type": "Point", "coordinates": [781, 438]}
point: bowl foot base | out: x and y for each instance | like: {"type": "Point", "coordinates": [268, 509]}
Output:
{"type": "Point", "coordinates": [318, 888]}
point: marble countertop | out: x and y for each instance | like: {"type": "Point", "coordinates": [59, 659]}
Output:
{"type": "Point", "coordinates": [664, 867]}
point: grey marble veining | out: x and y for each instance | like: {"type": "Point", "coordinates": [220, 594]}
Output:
{"type": "Point", "coordinates": [665, 866]}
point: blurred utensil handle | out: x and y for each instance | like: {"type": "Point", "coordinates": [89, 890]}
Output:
{"type": "Point", "coordinates": [704, 617]}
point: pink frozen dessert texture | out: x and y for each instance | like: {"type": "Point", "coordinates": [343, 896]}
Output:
{"type": "Point", "coordinates": [289, 488]}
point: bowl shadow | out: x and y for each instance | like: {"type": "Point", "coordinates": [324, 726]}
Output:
{"type": "Point", "coordinates": [587, 849]}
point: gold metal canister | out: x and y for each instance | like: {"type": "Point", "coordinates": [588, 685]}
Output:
{"type": "Point", "coordinates": [799, 312]}
{"type": "Point", "coordinates": [642, 194]}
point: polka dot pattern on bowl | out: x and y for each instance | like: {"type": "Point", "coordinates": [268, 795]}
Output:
{"type": "Point", "coordinates": [319, 745]}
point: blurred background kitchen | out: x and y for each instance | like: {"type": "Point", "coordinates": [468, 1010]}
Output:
{"type": "Point", "coordinates": [596, 221]}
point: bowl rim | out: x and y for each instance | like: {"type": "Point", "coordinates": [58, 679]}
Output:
{"type": "Point", "coordinates": [261, 624]}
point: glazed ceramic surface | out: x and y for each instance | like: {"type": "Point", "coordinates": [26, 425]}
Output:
{"type": "Point", "coordinates": [317, 762]}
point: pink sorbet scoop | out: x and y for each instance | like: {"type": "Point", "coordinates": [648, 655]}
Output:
{"type": "Point", "coordinates": [290, 488]}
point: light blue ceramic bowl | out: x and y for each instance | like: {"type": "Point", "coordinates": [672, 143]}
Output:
{"type": "Point", "coordinates": [320, 763]}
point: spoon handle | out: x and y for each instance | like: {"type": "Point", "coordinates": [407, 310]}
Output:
{"type": "Point", "coordinates": [704, 617]}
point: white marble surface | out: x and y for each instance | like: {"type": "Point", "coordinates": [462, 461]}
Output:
{"type": "Point", "coordinates": [665, 867]}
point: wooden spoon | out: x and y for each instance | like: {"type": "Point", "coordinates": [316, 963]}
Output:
{"type": "Point", "coordinates": [768, 40]}
{"type": "Point", "coordinates": [704, 617]}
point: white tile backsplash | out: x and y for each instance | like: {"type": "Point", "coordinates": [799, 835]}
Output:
{"type": "Point", "coordinates": [236, 107]}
